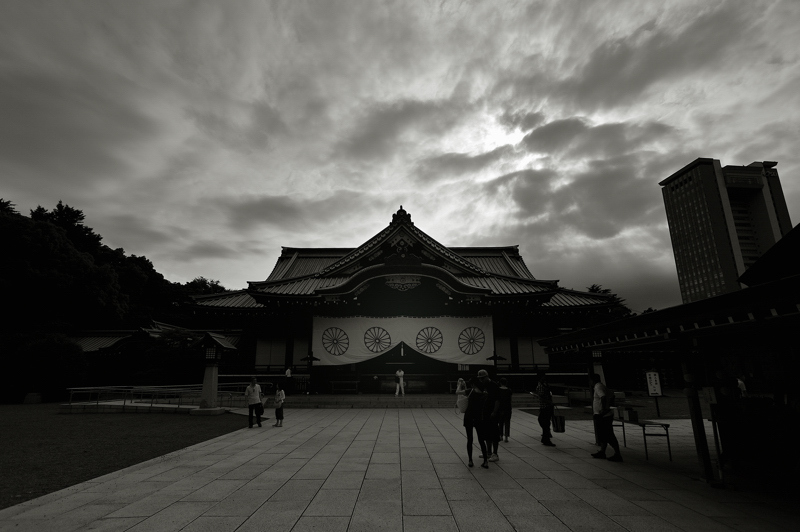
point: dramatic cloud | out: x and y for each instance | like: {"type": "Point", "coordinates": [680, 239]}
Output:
{"type": "Point", "coordinates": [384, 126]}
{"type": "Point", "coordinates": [458, 164]}
{"type": "Point", "coordinates": [623, 68]}
{"type": "Point", "coordinates": [205, 135]}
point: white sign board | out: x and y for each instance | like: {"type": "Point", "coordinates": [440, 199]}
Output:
{"type": "Point", "coordinates": [653, 384]}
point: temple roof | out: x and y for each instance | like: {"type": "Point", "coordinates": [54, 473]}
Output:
{"type": "Point", "coordinates": [300, 262]}
{"type": "Point", "coordinates": [498, 271]}
{"type": "Point", "coordinates": [402, 248]}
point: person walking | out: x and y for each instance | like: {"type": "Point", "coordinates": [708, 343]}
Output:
{"type": "Point", "coordinates": [546, 408]}
{"type": "Point", "coordinates": [253, 396]}
{"type": "Point", "coordinates": [504, 423]}
{"type": "Point", "coordinates": [400, 387]}
{"type": "Point", "coordinates": [604, 421]}
{"type": "Point", "coordinates": [473, 420]}
{"type": "Point", "coordinates": [280, 397]}
{"type": "Point", "coordinates": [491, 415]}
{"type": "Point", "coordinates": [288, 386]}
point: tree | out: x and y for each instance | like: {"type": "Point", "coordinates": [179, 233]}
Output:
{"type": "Point", "coordinates": [53, 285]}
{"type": "Point", "coordinates": [6, 207]}
{"type": "Point", "coordinates": [58, 277]}
{"type": "Point", "coordinates": [202, 286]}
{"type": "Point", "coordinates": [598, 289]}
{"type": "Point", "coordinates": [622, 310]}
{"type": "Point", "coordinates": [71, 220]}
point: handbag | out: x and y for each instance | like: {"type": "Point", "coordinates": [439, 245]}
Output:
{"type": "Point", "coordinates": [462, 402]}
{"type": "Point", "coordinates": [559, 423]}
{"type": "Point", "coordinates": [259, 408]}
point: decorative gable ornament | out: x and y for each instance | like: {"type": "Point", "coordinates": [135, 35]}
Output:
{"type": "Point", "coordinates": [403, 283]}
{"type": "Point", "coordinates": [401, 216]}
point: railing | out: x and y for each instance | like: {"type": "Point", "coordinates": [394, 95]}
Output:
{"type": "Point", "coordinates": [180, 395]}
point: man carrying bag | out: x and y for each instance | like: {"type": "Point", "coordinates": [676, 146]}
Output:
{"type": "Point", "coordinates": [546, 411]}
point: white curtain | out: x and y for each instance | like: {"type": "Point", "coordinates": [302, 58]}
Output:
{"type": "Point", "coordinates": [458, 340]}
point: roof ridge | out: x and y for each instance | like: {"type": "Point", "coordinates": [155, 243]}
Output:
{"type": "Point", "coordinates": [401, 219]}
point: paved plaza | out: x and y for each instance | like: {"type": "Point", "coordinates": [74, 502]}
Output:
{"type": "Point", "coordinates": [405, 470]}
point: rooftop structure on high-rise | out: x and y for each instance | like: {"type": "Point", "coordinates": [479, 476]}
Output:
{"type": "Point", "coordinates": [721, 220]}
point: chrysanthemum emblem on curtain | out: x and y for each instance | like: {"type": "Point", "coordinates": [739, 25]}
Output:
{"type": "Point", "coordinates": [377, 339]}
{"type": "Point", "coordinates": [335, 341]}
{"type": "Point", "coordinates": [429, 340]}
{"type": "Point", "coordinates": [471, 340]}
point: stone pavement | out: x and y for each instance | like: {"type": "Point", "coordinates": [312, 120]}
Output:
{"type": "Point", "coordinates": [405, 470]}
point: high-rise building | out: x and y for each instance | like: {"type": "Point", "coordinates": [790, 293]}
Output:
{"type": "Point", "coordinates": [721, 219]}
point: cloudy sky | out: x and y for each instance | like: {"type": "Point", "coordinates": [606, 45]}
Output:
{"type": "Point", "coordinates": [206, 135]}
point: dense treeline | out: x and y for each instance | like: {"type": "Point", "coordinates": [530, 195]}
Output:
{"type": "Point", "coordinates": [58, 277]}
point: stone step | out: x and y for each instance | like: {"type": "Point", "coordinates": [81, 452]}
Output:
{"type": "Point", "coordinates": [389, 401]}
{"type": "Point", "coordinates": [293, 401]}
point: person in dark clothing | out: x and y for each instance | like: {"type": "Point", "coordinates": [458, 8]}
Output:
{"type": "Point", "coordinates": [604, 421]}
{"type": "Point", "coordinates": [491, 414]}
{"type": "Point", "coordinates": [546, 408]}
{"type": "Point", "coordinates": [473, 419]}
{"type": "Point", "coordinates": [504, 422]}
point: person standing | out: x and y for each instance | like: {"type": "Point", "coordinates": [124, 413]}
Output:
{"type": "Point", "coordinates": [546, 408]}
{"type": "Point", "coordinates": [491, 415]}
{"type": "Point", "coordinates": [504, 424]}
{"type": "Point", "coordinates": [280, 397]}
{"type": "Point", "coordinates": [473, 419]}
{"type": "Point", "coordinates": [399, 383]}
{"type": "Point", "coordinates": [604, 421]}
{"type": "Point", "coordinates": [253, 396]}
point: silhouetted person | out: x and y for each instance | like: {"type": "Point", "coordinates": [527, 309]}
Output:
{"type": "Point", "coordinates": [491, 414]}
{"type": "Point", "coordinates": [473, 419]}
{"type": "Point", "coordinates": [546, 408]}
{"type": "Point", "coordinates": [504, 421]}
{"type": "Point", "coordinates": [604, 421]}
{"type": "Point", "coordinates": [280, 397]}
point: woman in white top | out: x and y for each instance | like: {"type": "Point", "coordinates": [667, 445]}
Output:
{"type": "Point", "coordinates": [398, 379]}
{"type": "Point", "coordinates": [280, 397]}
{"type": "Point", "coordinates": [253, 396]}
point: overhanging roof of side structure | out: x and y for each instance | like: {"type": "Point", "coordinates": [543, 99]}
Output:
{"type": "Point", "coordinates": [104, 340]}
{"type": "Point", "coordinates": [220, 340]}
{"type": "Point", "coordinates": [239, 299]}
{"type": "Point", "coordinates": [781, 260]}
{"type": "Point", "coordinates": [765, 305]}
{"type": "Point", "coordinates": [97, 340]}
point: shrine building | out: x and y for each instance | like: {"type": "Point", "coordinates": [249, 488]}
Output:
{"type": "Point", "coordinates": [401, 300]}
